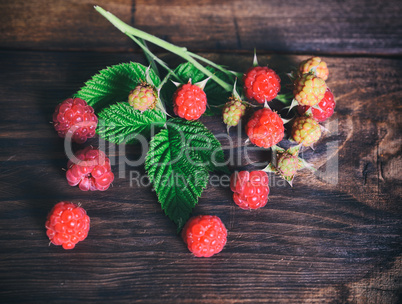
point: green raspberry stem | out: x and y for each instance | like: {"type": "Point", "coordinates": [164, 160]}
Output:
{"type": "Point", "coordinates": [152, 58]}
{"type": "Point", "coordinates": [179, 51]}
{"type": "Point", "coordinates": [148, 54]}
{"type": "Point", "coordinates": [217, 66]}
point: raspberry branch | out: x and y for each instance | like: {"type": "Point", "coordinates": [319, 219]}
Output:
{"type": "Point", "coordinates": [179, 51]}
{"type": "Point", "coordinates": [152, 58]}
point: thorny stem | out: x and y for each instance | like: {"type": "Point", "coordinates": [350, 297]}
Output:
{"type": "Point", "coordinates": [179, 51]}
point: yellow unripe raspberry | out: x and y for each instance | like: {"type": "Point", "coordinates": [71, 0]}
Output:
{"type": "Point", "coordinates": [316, 66]}
{"type": "Point", "coordinates": [306, 131]}
{"type": "Point", "coordinates": [233, 111]}
{"type": "Point", "coordinates": [143, 97]}
{"type": "Point", "coordinates": [309, 89]}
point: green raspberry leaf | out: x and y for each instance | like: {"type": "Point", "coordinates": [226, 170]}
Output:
{"type": "Point", "coordinates": [178, 165]}
{"type": "Point", "coordinates": [122, 123]}
{"type": "Point", "coordinates": [201, 143]}
{"type": "Point", "coordinates": [115, 83]}
{"type": "Point", "coordinates": [216, 95]}
{"type": "Point", "coordinates": [187, 71]}
{"type": "Point", "coordinates": [177, 183]}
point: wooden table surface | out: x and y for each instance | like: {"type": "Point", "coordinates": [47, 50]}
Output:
{"type": "Point", "coordinates": [322, 241]}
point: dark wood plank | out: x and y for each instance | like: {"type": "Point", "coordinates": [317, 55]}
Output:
{"type": "Point", "coordinates": [333, 27]}
{"type": "Point", "coordinates": [314, 243]}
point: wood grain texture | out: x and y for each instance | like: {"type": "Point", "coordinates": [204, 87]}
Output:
{"type": "Point", "coordinates": [314, 243]}
{"type": "Point", "coordinates": [313, 26]}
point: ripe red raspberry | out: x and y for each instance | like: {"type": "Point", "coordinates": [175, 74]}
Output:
{"type": "Point", "coordinates": [190, 101]}
{"type": "Point", "coordinates": [76, 118]}
{"type": "Point", "coordinates": [306, 131]}
{"type": "Point", "coordinates": [316, 66]}
{"type": "Point", "coordinates": [204, 235]}
{"type": "Point", "coordinates": [233, 111]}
{"type": "Point", "coordinates": [92, 172]}
{"type": "Point", "coordinates": [261, 84]}
{"type": "Point", "coordinates": [143, 97]}
{"type": "Point", "coordinates": [265, 128]}
{"type": "Point", "coordinates": [309, 89]}
{"type": "Point", "coordinates": [323, 110]}
{"type": "Point", "coordinates": [67, 224]}
{"type": "Point", "coordinates": [250, 189]}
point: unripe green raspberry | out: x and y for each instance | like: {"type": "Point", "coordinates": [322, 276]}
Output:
{"type": "Point", "coordinates": [233, 111]}
{"type": "Point", "coordinates": [143, 97]}
{"type": "Point", "coordinates": [309, 89]}
{"type": "Point", "coordinates": [287, 164]}
{"type": "Point", "coordinates": [316, 66]}
{"type": "Point", "coordinates": [306, 131]}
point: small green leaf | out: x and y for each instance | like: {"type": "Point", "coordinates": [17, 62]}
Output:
{"type": "Point", "coordinates": [294, 150]}
{"type": "Point", "coordinates": [122, 123]}
{"type": "Point", "coordinates": [114, 84]}
{"type": "Point", "coordinates": [186, 71]}
{"type": "Point", "coordinates": [178, 165]}
{"type": "Point", "coordinates": [285, 98]}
